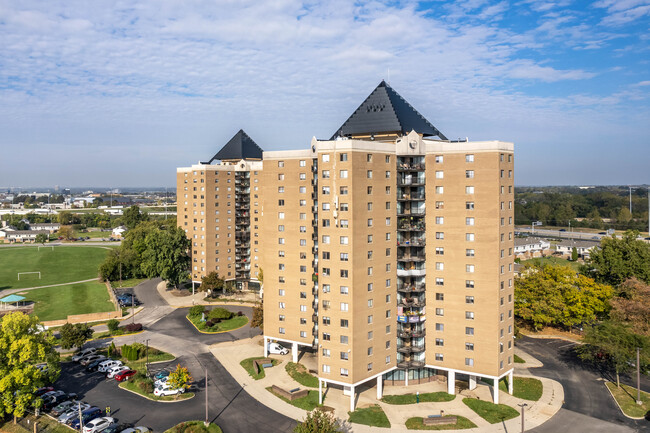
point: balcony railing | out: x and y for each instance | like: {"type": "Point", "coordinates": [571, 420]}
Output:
{"type": "Point", "coordinates": [412, 242]}
{"type": "Point", "coordinates": [411, 257]}
{"type": "Point", "coordinates": [408, 212]}
{"type": "Point", "coordinates": [410, 167]}
{"type": "Point", "coordinates": [411, 288]}
{"type": "Point", "coordinates": [410, 197]}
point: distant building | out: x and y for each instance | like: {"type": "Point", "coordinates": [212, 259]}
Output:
{"type": "Point", "coordinates": [50, 227]}
{"type": "Point", "coordinates": [118, 232]}
{"type": "Point", "coordinates": [526, 248]}
{"type": "Point", "coordinates": [8, 234]}
{"type": "Point", "coordinates": [584, 248]}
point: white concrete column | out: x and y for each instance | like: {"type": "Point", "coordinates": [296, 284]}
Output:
{"type": "Point", "coordinates": [294, 352]}
{"type": "Point", "coordinates": [320, 391]}
{"type": "Point", "coordinates": [472, 382]}
{"type": "Point", "coordinates": [406, 377]}
{"type": "Point", "coordinates": [352, 399]}
{"type": "Point", "coordinates": [266, 346]}
{"type": "Point", "coordinates": [451, 382]}
{"type": "Point", "coordinates": [511, 383]}
{"type": "Point", "coordinates": [380, 386]}
{"type": "Point", "coordinates": [496, 390]}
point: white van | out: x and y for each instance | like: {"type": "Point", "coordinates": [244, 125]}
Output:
{"type": "Point", "coordinates": [83, 354]}
{"type": "Point", "coordinates": [107, 365]}
{"type": "Point", "coordinates": [277, 349]}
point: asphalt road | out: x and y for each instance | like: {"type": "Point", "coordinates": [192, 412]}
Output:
{"type": "Point", "coordinates": [229, 405]}
{"type": "Point", "coordinates": [588, 406]}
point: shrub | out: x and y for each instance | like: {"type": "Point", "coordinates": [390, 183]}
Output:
{"type": "Point", "coordinates": [209, 324]}
{"type": "Point", "coordinates": [113, 324]}
{"type": "Point", "coordinates": [134, 327]}
{"type": "Point", "coordinates": [197, 310]}
{"type": "Point", "coordinates": [216, 321]}
{"type": "Point", "coordinates": [220, 313]}
{"type": "Point", "coordinates": [146, 385]}
{"type": "Point", "coordinates": [239, 313]}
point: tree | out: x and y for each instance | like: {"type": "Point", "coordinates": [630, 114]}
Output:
{"type": "Point", "coordinates": [22, 347]}
{"type": "Point", "coordinates": [632, 306]}
{"type": "Point", "coordinates": [258, 316]}
{"type": "Point", "coordinates": [212, 282]}
{"type": "Point", "coordinates": [75, 335]}
{"type": "Point", "coordinates": [67, 218]}
{"type": "Point", "coordinates": [179, 378]}
{"type": "Point", "coordinates": [41, 238]}
{"type": "Point", "coordinates": [120, 263]}
{"type": "Point", "coordinates": [555, 295]}
{"type": "Point", "coordinates": [132, 217]}
{"type": "Point", "coordinates": [167, 255]}
{"type": "Point", "coordinates": [66, 232]}
{"type": "Point", "coordinates": [318, 421]}
{"type": "Point", "coordinates": [618, 259]}
{"type": "Point", "coordinates": [574, 254]}
{"type": "Point", "coordinates": [614, 342]}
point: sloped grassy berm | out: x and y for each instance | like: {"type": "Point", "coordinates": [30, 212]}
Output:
{"type": "Point", "coordinates": [216, 319]}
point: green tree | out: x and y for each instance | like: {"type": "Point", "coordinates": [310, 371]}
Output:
{"type": "Point", "coordinates": [66, 232]}
{"type": "Point", "coordinates": [167, 255]}
{"type": "Point", "coordinates": [615, 343]}
{"type": "Point", "coordinates": [41, 238]}
{"type": "Point", "coordinates": [574, 254]}
{"type": "Point", "coordinates": [212, 282]}
{"type": "Point", "coordinates": [318, 421]}
{"type": "Point", "coordinates": [180, 378]}
{"type": "Point", "coordinates": [75, 335]}
{"type": "Point", "coordinates": [113, 325]}
{"type": "Point", "coordinates": [119, 264]}
{"type": "Point", "coordinates": [632, 306]}
{"type": "Point", "coordinates": [67, 218]}
{"type": "Point", "coordinates": [132, 217]}
{"type": "Point", "coordinates": [258, 316]}
{"type": "Point", "coordinates": [618, 259]}
{"type": "Point", "coordinates": [554, 295]}
{"type": "Point", "coordinates": [22, 347]}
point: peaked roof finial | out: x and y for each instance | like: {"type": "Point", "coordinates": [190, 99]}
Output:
{"type": "Point", "coordinates": [240, 146]}
{"type": "Point", "coordinates": [385, 111]}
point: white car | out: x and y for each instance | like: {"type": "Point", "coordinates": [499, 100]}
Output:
{"type": "Point", "coordinates": [161, 382]}
{"type": "Point", "coordinates": [107, 365]}
{"type": "Point", "coordinates": [116, 370]}
{"type": "Point", "coordinates": [83, 354]}
{"type": "Point", "coordinates": [98, 424]}
{"type": "Point", "coordinates": [167, 390]}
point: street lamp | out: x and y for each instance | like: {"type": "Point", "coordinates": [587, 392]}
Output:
{"type": "Point", "coordinates": [147, 363]}
{"type": "Point", "coordinates": [522, 406]}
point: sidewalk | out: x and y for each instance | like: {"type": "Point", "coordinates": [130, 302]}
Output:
{"type": "Point", "coordinates": [198, 298]}
{"type": "Point", "coordinates": [231, 353]}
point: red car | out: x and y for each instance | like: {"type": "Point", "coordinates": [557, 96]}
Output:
{"type": "Point", "coordinates": [124, 375]}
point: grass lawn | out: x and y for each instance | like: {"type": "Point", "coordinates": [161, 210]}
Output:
{"type": "Point", "coordinates": [527, 388]}
{"type": "Point", "coordinates": [227, 325]}
{"type": "Point", "coordinates": [308, 403]}
{"type": "Point", "coordinates": [551, 260]}
{"type": "Point", "coordinates": [127, 283]}
{"type": "Point", "coordinates": [45, 424]}
{"type": "Point", "coordinates": [519, 360]}
{"type": "Point", "coordinates": [425, 397]}
{"type": "Point", "coordinates": [373, 416]}
{"type": "Point", "coordinates": [626, 398]}
{"type": "Point", "coordinates": [492, 413]}
{"type": "Point", "coordinates": [61, 265]}
{"type": "Point", "coordinates": [134, 385]}
{"type": "Point", "coordinates": [248, 366]}
{"type": "Point", "coordinates": [461, 423]}
{"type": "Point", "coordinates": [53, 303]}
{"type": "Point", "coordinates": [194, 427]}
{"type": "Point", "coordinates": [299, 373]}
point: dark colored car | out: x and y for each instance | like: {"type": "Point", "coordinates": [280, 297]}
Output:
{"type": "Point", "coordinates": [86, 415]}
{"type": "Point", "coordinates": [93, 366]}
{"type": "Point", "coordinates": [116, 428]}
{"type": "Point", "coordinates": [52, 402]}
{"type": "Point", "coordinates": [125, 375]}
{"type": "Point", "coordinates": [40, 391]}
{"type": "Point", "coordinates": [63, 407]}
{"type": "Point", "coordinates": [562, 230]}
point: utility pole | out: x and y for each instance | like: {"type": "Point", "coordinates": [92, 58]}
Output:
{"type": "Point", "coordinates": [638, 378]}
{"type": "Point", "coordinates": [630, 200]}
{"type": "Point", "coordinates": [522, 406]}
{"type": "Point", "coordinates": [206, 398]}
{"type": "Point", "coordinates": [132, 310]}
{"type": "Point", "coordinates": [147, 364]}
{"type": "Point", "coordinates": [81, 427]}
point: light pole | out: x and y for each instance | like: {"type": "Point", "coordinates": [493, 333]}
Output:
{"type": "Point", "coordinates": [522, 406]}
{"type": "Point", "coordinates": [630, 200]}
{"type": "Point", "coordinates": [147, 363]}
{"type": "Point", "coordinates": [638, 378]}
{"type": "Point", "coordinates": [206, 398]}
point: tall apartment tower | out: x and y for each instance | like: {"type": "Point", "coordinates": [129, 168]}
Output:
{"type": "Point", "coordinates": [219, 208]}
{"type": "Point", "coordinates": [387, 251]}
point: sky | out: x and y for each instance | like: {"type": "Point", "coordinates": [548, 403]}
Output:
{"type": "Point", "coordinates": [120, 93]}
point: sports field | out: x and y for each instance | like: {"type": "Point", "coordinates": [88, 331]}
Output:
{"type": "Point", "coordinates": [56, 265]}
{"type": "Point", "coordinates": [53, 303]}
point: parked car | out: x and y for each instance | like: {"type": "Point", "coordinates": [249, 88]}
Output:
{"type": "Point", "coordinates": [159, 375]}
{"type": "Point", "coordinates": [88, 359]}
{"type": "Point", "coordinates": [117, 428]}
{"type": "Point", "coordinates": [108, 364]}
{"type": "Point", "coordinates": [161, 382]}
{"type": "Point", "coordinates": [278, 349]}
{"type": "Point", "coordinates": [116, 370]}
{"type": "Point", "coordinates": [53, 400]}
{"type": "Point", "coordinates": [72, 412]}
{"type": "Point", "coordinates": [40, 391]}
{"type": "Point", "coordinates": [63, 407]}
{"type": "Point", "coordinates": [86, 416]}
{"type": "Point", "coordinates": [98, 424]}
{"type": "Point", "coordinates": [167, 390]}
{"type": "Point", "coordinates": [83, 354]}
{"type": "Point", "coordinates": [138, 429]}
{"type": "Point", "coordinates": [125, 375]}
{"type": "Point", "coordinates": [93, 366]}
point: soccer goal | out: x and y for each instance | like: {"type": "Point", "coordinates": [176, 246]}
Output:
{"type": "Point", "coordinates": [23, 273]}
{"type": "Point", "coordinates": [46, 246]}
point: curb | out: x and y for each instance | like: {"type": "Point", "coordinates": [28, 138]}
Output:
{"type": "Point", "coordinates": [552, 337]}
{"type": "Point", "coordinates": [619, 406]}
{"type": "Point", "coordinates": [215, 332]}
{"type": "Point", "coordinates": [157, 401]}
{"type": "Point", "coordinates": [225, 304]}
{"type": "Point", "coordinates": [116, 336]}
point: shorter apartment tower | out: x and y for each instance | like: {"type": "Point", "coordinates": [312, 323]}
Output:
{"type": "Point", "coordinates": [219, 209]}
{"type": "Point", "coordinates": [388, 251]}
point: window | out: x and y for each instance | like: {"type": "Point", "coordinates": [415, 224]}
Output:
{"type": "Point", "coordinates": [326, 190]}
{"type": "Point", "coordinates": [344, 273]}
{"type": "Point", "coordinates": [326, 336]}
{"type": "Point", "coordinates": [469, 362]}
{"type": "Point", "coordinates": [440, 235]}
{"type": "Point", "coordinates": [388, 359]}
{"type": "Point", "coordinates": [326, 353]}
{"type": "Point", "coordinates": [469, 299]}
{"type": "Point", "coordinates": [369, 222]}
{"type": "Point", "coordinates": [440, 311]}
{"type": "Point", "coordinates": [469, 190]}
{"type": "Point", "coordinates": [303, 334]}
{"type": "Point", "coordinates": [387, 159]}
{"type": "Point", "coordinates": [440, 266]}
{"type": "Point", "coordinates": [440, 251]}
{"type": "Point", "coordinates": [326, 321]}
{"type": "Point", "coordinates": [343, 157]}
{"type": "Point", "coordinates": [344, 290]}
{"type": "Point", "coordinates": [439, 159]}
{"type": "Point", "coordinates": [343, 174]}
{"type": "Point", "coordinates": [281, 215]}
{"type": "Point", "coordinates": [387, 174]}
{"type": "Point", "coordinates": [302, 189]}
{"type": "Point", "coordinates": [439, 357]}
{"type": "Point", "coordinates": [344, 257]}
{"type": "Point", "coordinates": [469, 315]}
{"type": "Point", "coordinates": [369, 157]}
{"type": "Point", "coordinates": [440, 281]}
{"type": "Point", "coordinates": [280, 177]}
{"type": "Point", "coordinates": [326, 174]}
{"type": "Point", "coordinates": [344, 323]}
{"type": "Point", "coordinates": [369, 174]}
{"type": "Point", "coordinates": [469, 174]}
{"type": "Point", "coordinates": [387, 221]}
{"type": "Point", "coordinates": [469, 158]}
{"type": "Point", "coordinates": [325, 157]}
{"type": "Point", "coordinates": [440, 205]}
{"type": "Point", "coordinates": [469, 205]}
{"type": "Point", "coordinates": [469, 268]}
{"type": "Point", "coordinates": [370, 319]}
{"type": "Point", "coordinates": [343, 240]}
{"type": "Point", "coordinates": [345, 356]}
{"type": "Point", "coordinates": [281, 330]}
{"type": "Point", "coordinates": [326, 368]}
{"type": "Point", "coordinates": [344, 372]}
{"type": "Point", "coordinates": [326, 206]}
{"type": "Point", "coordinates": [440, 174]}
{"type": "Point", "coordinates": [469, 331]}
{"type": "Point", "coordinates": [439, 190]}
{"type": "Point", "coordinates": [469, 237]}
{"type": "Point", "coordinates": [343, 190]}
{"type": "Point", "coordinates": [440, 220]}
{"type": "Point", "coordinates": [344, 339]}
{"type": "Point", "coordinates": [440, 327]}
{"type": "Point", "coordinates": [344, 207]}
{"type": "Point", "coordinates": [440, 296]}
{"type": "Point", "coordinates": [280, 163]}
{"type": "Point", "coordinates": [344, 306]}
{"type": "Point", "coordinates": [369, 190]}
{"type": "Point", "coordinates": [440, 342]}
{"type": "Point", "coordinates": [302, 163]}
{"type": "Point", "coordinates": [280, 189]}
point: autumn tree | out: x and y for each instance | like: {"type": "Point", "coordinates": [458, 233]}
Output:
{"type": "Point", "coordinates": [179, 378]}
{"type": "Point", "coordinates": [618, 259]}
{"type": "Point", "coordinates": [22, 347]}
{"type": "Point", "coordinates": [258, 316]}
{"type": "Point", "coordinates": [632, 306]}
{"type": "Point", "coordinates": [41, 238]}
{"type": "Point", "coordinates": [318, 421]}
{"type": "Point", "coordinates": [66, 232]}
{"type": "Point", "coordinates": [212, 282]}
{"type": "Point", "coordinates": [554, 295]}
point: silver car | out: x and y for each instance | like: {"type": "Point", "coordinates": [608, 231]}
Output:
{"type": "Point", "coordinates": [63, 419]}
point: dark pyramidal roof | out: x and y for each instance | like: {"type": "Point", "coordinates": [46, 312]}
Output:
{"type": "Point", "coordinates": [385, 111]}
{"type": "Point", "coordinates": [241, 146]}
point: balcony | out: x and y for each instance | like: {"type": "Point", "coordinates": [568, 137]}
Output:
{"type": "Point", "coordinates": [314, 290]}
{"type": "Point", "coordinates": [314, 318]}
{"type": "Point", "coordinates": [407, 333]}
{"type": "Point", "coordinates": [411, 257]}
{"type": "Point", "coordinates": [411, 272]}
{"type": "Point", "coordinates": [314, 182]}
{"type": "Point", "coordinates": [412, 243]}
{"type": "Point", "coordinates": [408, 213]}
{"type": "Point", "coordinates": [410, 167]}
{"type": "Point", "coordinates": [412, 302]}
{"type": "Point", "coordinates": [314, 223]}
{"type": "Point", "coordinates": [314, 305]}
{"type": "Point", "coordinates": [314, 209]}
{"type": "Point", "coordinates": [314, 249]}
{"type": "Point", "coordinates": [411, 349]}
{"type": "Point", "coordinates": [314, 236]}
{"type": "Point", "coordinates": [411, 227]}
{"type": "Point", "coordinates": [411, 197]}
{"type": "Point", "coordinates": [411, 288]}
{"type": "Point", "coordinates": [409, 182]}
{"type": "Point", "coordinates": [314, 332]}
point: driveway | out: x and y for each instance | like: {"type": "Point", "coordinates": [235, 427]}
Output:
{"type": "Point", "coordinates": [588, 406]}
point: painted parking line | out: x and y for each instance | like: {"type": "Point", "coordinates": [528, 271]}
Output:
{"type": "Point", "coordinates": [566, 345]}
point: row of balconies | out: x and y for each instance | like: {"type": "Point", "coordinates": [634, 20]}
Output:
{"type": "Point", "coordinates": [411, 349]}
{"type": "Point", "coordinates": [411, 288]}
{"type": "Point", "coordinates": [410, 196]}
{"type": "Point", "coordinates": [412, 242]}
{"type": "Point", "coordinates": [410, 167]}
{"type": "Point", "coordinates": [412, 302]}
{"type": "Point", "coordinates": [415, 333]}
{"type": "Point", "coordinates": [411, 257]}
{"type": "Point", "coordinates": [410, 212]}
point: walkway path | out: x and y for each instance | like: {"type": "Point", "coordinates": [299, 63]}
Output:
{"type": "Point", "coordinates": [10, 291]}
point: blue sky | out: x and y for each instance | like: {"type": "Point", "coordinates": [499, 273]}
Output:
{"type": "Point", "coordinates": [121, 93]}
